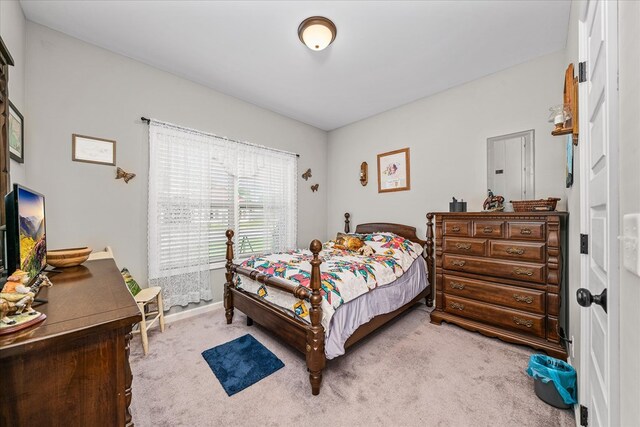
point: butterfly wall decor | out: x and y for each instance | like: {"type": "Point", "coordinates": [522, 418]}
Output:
{"type": "Point", "coordinates": [314, 187]}
{"type": "Point", "coordinates": [120, 173]}
{"type": "Point", "coordinates": [307, 174]}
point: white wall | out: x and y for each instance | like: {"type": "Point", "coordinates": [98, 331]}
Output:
{"type": "Point", "coordinates": [75, 87]}
{"type": "Point", "coordinates": [629, 49]}
{"type": "Point", "coordinates": [13, 31]}
{"type": "Point", "coordinates": [447, 135]}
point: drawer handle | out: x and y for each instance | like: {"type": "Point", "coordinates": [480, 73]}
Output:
{"type": "Point", "coordinates": [525, 231]}
{"type": "Point", "coordinates": [523, 298]}
{"type": "Point", "coordinates": [515, 251]}
{"type": "Point", "coordinates": [456, 306]}
{"type": "Point", "coordinates": [523, 272]}
{"type": "Point", "coordinates": [487, 230]}
{"type": "Point", "coordinates": [465, 246]}
{"type": "Point", "coordinates": [458, 263]}
{"type": "Point", "coordinates": [522, 322]}
{"type": "Point", "coordinates": [455, 229]}
{"type": "Point", "coordinates": [456, 285]}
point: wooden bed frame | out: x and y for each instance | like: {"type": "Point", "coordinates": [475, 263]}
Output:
{"type": "Point", "coordinates": [309, 338]}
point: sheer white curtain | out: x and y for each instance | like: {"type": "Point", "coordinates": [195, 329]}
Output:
{"type": "Point", "coordinates": [200, 185]}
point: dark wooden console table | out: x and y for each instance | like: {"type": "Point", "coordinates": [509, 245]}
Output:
{"type": "Point", "coordinates": [72, 369]}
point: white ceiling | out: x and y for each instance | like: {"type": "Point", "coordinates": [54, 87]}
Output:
{"type": "Point", "coordinates": [385, 54]}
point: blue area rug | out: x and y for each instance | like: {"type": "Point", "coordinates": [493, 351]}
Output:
{"type": "Point", "coordinates": [241, 363]}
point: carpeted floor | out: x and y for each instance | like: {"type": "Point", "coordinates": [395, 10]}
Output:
{"type": "Point", "coordinates": [409, 373]}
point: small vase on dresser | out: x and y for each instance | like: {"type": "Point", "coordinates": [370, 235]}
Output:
{"type": "Point", "coordinates": [503, 275]}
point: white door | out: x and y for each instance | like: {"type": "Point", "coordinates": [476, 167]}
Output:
{"type": "Point", "coordinates": [510, 165]}
{"type": "Point", "coordinates": [599, 378]}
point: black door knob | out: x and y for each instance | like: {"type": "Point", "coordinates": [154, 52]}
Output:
{"type": "Point", "coordinates": [586, 298]}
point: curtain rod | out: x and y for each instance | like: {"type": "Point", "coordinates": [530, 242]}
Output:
{"type": "Point", "coordinates": [148, 121]}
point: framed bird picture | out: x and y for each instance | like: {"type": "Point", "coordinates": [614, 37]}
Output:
{"type": "Point", "coordinates": [394, 171]}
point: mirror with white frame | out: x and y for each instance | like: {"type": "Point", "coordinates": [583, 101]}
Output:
{"type": "Point", "coordinates": [510, 166]}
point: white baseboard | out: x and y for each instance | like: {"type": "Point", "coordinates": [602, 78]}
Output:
{"type": "Point", "coordinates": [186, 314]}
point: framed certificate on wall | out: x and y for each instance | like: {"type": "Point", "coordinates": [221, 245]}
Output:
{"type": "Point", "coordinates": [93, 150]}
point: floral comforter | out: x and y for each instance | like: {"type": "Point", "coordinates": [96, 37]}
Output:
{"type": "Point", "coordinates": [345, 275]}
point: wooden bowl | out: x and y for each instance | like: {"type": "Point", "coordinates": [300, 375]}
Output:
{"type": "Point", "coordinates": [61, 258]}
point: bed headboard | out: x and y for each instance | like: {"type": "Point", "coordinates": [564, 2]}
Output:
{"type": "Point", "coordinates": [408, 232]}
{"type": "Point", "coordinates": [401, 230]}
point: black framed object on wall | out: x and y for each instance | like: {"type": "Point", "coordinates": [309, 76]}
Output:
{"type": "Point", "coordinates": [16, 134]}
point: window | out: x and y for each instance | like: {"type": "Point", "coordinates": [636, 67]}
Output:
{"type": "Point", "coordinates": [266, 206]}
{"type": "Point", "coordinates": [201, 185]}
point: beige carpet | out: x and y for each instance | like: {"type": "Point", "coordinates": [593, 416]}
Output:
{"type": "Point", "coordinates": [409, 373]}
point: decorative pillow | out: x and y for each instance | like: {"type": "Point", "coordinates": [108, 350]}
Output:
{"type": "Point", "coordinates": [349, 242]}
{"type": "Point", "coordinates": [133, 286]}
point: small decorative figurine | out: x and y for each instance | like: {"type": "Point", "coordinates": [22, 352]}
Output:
{"type": "Point", "coordinates": [16, 299]}
{"type": "Point", "coordinates": [15, 296]}
{"type": "Point", "coordinates": [493, 203]}
{"type": "Point", "coordinates": [307, 175]}
{"type": "Point", "coordinates": [120, 173]}
{"type": "Point", "coordinates": [560, 115]}
{"type": "Point", "coordinates": [314, 187]}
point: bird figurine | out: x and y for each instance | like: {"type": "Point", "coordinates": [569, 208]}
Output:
{"type": "Point", "coordinates": [120, 173]}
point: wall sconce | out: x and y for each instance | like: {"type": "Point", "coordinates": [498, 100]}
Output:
{"type": "Point", "coordinates": [364, 174]}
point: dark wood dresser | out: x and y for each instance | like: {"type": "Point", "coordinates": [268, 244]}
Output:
{"type": "Point", "coordinates": [72, 369]}
{"type": "Point", "coordinates": [502, 274]}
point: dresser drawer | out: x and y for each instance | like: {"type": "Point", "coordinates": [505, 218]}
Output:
{"type": "Point", "coordinates": [526, 230]}
{"type": "Point", "coordinates": [511, 319]}
{"type": "Point", "coordinates": [457, 227]}
{"type": "Point", "coordinates": [465, 246]}
{"type": "Point", "coordinates": [488, 229]}
{"type": "Point", "coordinates": [505, 295]}
{"type": "Point", "coordinates": [528, 272]}
{"type": "Point", "coordinates": [525, 251]}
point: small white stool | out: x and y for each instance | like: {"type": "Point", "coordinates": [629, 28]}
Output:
{"type": "Point", "coordinates": [151, 295]}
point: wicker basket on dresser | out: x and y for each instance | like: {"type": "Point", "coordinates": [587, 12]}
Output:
{"type": "Point", "coordinates": [501, 274]}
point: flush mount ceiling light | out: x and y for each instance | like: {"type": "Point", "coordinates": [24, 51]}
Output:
{"type": "Point", "coordinates": [317, 32]}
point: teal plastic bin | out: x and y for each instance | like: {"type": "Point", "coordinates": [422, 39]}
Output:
{"type": "Point", "coordinates": [554, 380]}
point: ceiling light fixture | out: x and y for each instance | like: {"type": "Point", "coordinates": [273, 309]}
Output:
{"type": "Point", "coordinates": [317, 32]}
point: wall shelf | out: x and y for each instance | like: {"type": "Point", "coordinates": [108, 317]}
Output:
{"type": "Point", "coordinates": [570, 98]}
{"type": "Point", "coordinates": [563, 131]}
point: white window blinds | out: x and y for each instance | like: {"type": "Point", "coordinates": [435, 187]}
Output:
{"type": "Point", "coordinates": [200, 185]}
{"type": "Point", "coordinates": [267, 206]}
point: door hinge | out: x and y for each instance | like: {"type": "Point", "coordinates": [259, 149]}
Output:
{"type": "Point", "coordinates": [584, 415]}
{"type": "Point", "coordinates": [582, 72]}
{"type": "Point", "coordinates": [584, 243]}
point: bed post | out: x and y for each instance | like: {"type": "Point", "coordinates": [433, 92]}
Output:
{"type": "Point", "coordinates": [315, 333]}
{"type": "Point", "coordinates": [430, 258]}
{"type": "Point", "coordinates": [346, 222]}
{"type": "Point", "coordinates": [228, 296]}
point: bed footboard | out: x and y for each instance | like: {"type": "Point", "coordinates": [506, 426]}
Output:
{"type": "Point", "coordinates": [288, 329]}
{"type": "Point", "coordinates": [228, 296]}
{"type": "Point", "coordinates": [316, 359]}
